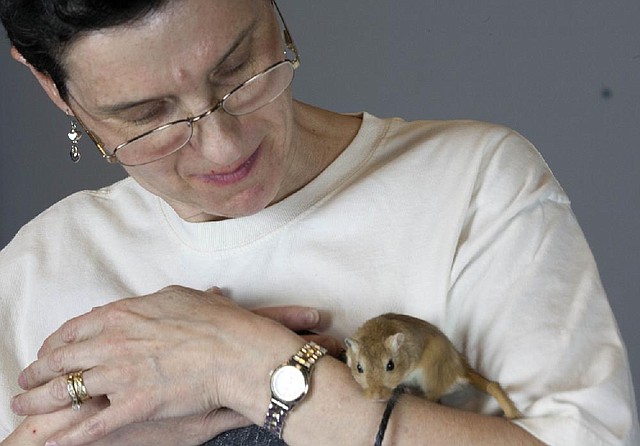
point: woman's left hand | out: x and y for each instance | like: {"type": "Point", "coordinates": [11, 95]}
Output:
{"type": "Point", "coordinates": [172, 354]}
{"type": "Point", "coordinates": [193, 430]}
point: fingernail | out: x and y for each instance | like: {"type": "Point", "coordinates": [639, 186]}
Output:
{"type": "Point", "coordinates": [15, 406]}
{"type": "Point", "coordinates": [311, 316]}
{"type": "Point", "coordinates": [22, 381]}
{"type": "Point", "coordinates": [51, 443]}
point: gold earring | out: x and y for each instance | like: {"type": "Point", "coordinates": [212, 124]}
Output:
{"type": "Point", "coordinates": [74, 136]}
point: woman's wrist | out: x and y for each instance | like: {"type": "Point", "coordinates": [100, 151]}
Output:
{"type": "Point", "coordinates": [329, 410]}
{"type": "Point", "coordinates": [251, 390]}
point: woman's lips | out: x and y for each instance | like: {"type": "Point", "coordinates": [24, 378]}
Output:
{"type": "Point", "coordinates": [235, 176]}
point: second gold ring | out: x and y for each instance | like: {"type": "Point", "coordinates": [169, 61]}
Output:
{"type": "Point", "coordinates": [77, 390]}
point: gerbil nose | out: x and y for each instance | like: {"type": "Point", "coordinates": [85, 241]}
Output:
{"type": "Point", "coordinates": [218, 138]}
{"type": "Point", "coordinates": [378, 393]}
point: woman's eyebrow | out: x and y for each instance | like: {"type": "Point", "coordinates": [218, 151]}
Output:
{"type": "Point", "coordinates": [112, 109]}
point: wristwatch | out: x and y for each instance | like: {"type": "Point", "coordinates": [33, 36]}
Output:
{"type": "Point", "coordinates": [290, 384]}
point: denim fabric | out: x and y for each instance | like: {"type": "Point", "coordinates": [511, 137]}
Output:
{"type": "Point", "coordinates": [247, 436]}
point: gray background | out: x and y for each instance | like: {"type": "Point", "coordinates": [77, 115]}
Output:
{"type": "Point", "coordinates": [566, 74]}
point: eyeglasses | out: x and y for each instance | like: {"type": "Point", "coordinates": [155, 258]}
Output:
{"type": "Point", "coordinates": [251, 95]}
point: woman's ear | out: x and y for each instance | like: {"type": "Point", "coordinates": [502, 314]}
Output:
{"type": "Point", "coordinates": [44, 80]}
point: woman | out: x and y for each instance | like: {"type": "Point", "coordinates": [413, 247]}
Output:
{"type": "Point", "coordinates": [286, 208]}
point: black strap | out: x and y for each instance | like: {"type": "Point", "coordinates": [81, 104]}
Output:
{"type": "Point", "coordinates": [387, 414]}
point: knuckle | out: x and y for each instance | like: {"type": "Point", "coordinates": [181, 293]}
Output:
{"type": "Point", "coordinates": [136, 406]}
{"type": "Point", "coordinates": [58, 389]}
{"type": "Point", "coordinates": [117, 314]}
{"type": "Point", "coordinates": [126, 377]}
{"type": "Point", "coordinates": [95, 428]}
{"type": "Point", "coordinates": [96, 308]}
{"type": "Point", "coordinates": [45, 349]}
{"type": "Point", "coordinates": [111, 318]}
{"type": "Point", "coordinates": [69, 332]}
{"type": "Point", "coordinates": [56, 360]}
{"type": "Point", "coordinates": [172, 289]}
{"type": "Point", "coordinates": [116, 346]}
{"type": "Point", "coordinates": [148, 407]}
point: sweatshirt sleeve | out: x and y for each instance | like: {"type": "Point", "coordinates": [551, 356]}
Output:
{"type": "Point", "coordinates": [528, 308]}
{"type": "Point", "coordinates": [13, 355]}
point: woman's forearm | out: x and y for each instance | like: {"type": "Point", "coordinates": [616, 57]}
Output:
{"type": "Point", "coordinates": [336, 412]}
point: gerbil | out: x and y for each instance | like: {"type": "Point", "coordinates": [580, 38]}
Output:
{"type": "Point", "coordinates": [394, 349]}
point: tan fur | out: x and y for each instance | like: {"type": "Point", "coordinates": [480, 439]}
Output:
{"type": "Point", "coordinates": [422, 357]}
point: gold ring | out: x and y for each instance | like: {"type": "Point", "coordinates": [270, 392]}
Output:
{"type": "Point", "coordinates": [77, 390]}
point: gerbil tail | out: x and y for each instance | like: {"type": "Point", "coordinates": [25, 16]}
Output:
{"type": "Point", "coordinates": [495, 390]}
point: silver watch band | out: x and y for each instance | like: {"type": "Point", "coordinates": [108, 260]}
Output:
{"type": "Point", "coordinates": [306, 357]}
{"type": "Point", "coordinates": [275, 417]}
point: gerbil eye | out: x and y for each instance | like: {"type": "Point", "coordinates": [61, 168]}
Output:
{"type": "Point", "coordinates": [390, 365]}
{"type": "Point", "coordinates": [359, 368]}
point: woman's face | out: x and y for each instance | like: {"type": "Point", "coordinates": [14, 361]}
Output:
{"type": "Point", "coordinates": [178, 63]}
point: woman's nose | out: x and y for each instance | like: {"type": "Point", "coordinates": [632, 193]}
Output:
{"type": "Point", "coordinates": [218, 138]}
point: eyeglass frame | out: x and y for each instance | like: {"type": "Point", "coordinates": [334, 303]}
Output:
{"type": "Point", "coordinates": [112, 157]}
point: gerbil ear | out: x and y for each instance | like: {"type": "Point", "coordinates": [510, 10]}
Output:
{"type": "Point", "coordinates": [352, 345]}
{"type": "Point", "coordinates": [394, 342]}
{"type": "Point", "coordinates": [44, 80]}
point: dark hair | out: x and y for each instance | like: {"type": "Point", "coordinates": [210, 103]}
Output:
{"type": "Point", "coordinates": [42, 30]}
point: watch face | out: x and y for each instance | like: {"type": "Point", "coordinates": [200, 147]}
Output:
{"type": "Point", "coordinates": [288, 383]}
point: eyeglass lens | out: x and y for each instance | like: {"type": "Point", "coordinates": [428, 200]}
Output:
{"type": "Point", "coordinates": [250, 96]}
